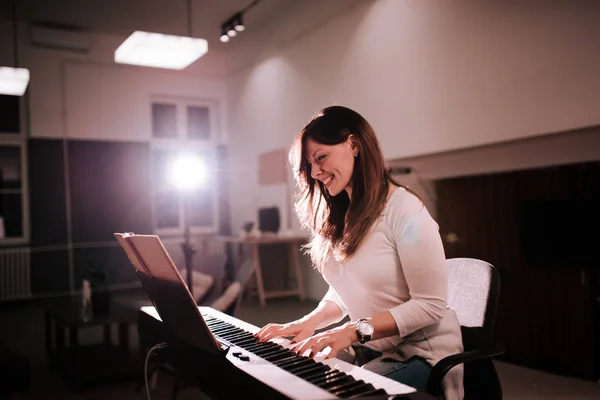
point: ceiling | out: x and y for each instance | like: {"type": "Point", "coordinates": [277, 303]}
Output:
{"type": "Point", "coordinates": [125, 16]}
{"type": "Point", "coordinates": [122, 17]}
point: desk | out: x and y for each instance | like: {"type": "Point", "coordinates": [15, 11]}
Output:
{"type": "Point", "coordinates": [81, 365]}
{"type": "Point", "coordinates": [253, 243]}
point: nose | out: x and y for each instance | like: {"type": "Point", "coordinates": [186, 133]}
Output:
{"type": "Point", "coordinates": [315, 171]}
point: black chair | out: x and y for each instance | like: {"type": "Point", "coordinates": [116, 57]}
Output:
{"type": "Point", "coordinates": [473, 293]}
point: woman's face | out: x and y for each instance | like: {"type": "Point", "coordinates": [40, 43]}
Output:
{"type": "Point", "coordinates": [332, 164]}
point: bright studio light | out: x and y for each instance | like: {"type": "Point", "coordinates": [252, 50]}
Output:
{"type": "Point", "coordinates": [188, 172]}
{"type": "Point", "coordinates": [160, 51]}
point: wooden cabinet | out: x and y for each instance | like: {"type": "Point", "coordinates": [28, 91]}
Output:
{"type": "Point", "coordinates": [548, 315]}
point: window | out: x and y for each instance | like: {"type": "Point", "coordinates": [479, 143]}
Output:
{"type": "Point", "coordinates": [14, 228]}
{"type": "Point", "coordinates": [179, 125]}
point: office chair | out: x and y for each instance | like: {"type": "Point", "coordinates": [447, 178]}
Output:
{"type": "Point", "coordinates": [473, 293]}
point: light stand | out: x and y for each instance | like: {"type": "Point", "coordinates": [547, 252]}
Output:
{"type": "Point", "coordinates": [186, 246]}
{"type": "Point", "coordinates": [188, 173]}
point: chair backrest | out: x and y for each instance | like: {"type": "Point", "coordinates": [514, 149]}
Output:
{"type": "Point", "coordinates": [473, 293]}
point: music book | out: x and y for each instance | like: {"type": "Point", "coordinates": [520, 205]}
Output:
{"type": "Point", "coordinates": [166, 289]}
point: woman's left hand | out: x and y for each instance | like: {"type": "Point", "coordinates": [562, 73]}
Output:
{"type": "Point", "coordinates": [337, 339]}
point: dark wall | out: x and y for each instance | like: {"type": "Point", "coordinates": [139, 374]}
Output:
{"type": "Point", "coordinates": [108, 190]}
{"type": "Point", "coordinates": [48, 216]}
{"type": "Point", "coordinates": [548, 315]}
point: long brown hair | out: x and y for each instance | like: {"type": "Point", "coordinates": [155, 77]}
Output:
{"type": "Point", "coordinates": [338, 223]}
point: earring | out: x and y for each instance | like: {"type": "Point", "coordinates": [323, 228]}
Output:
{"type": "Point", "coordinates": [355, 155]}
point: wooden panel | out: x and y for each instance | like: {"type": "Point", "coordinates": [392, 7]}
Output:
{"type": "Point", "coordinates": [47, 196]}
{"type": "Point", "coordinates": [109, 188]}
{"type": "Point", "coordinates": [545, 310]}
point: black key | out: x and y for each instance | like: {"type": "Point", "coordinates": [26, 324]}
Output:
{"type": "Point", "coordinates": [268, 352]}
{"type": "Point", "coordinates": [287, 360]}
{"type": "Point", "coordinates": [292, 356]}
{"type": "Point", "coordinates": [224, 331]}
{"type": "Point", "coordinates": [345, 386]}
{"type": "Point", "coordinates": [296, 364]}
{"type": "Point", "coordinates": [242, 342]}
{"type": "Point", "coordinates": [294, 361]}
{"type": "Point", "coordinates": [238, 337]}
{"type": "Point", "coordinates": [277, 356]}
{"type": "Point", "coordinates": [260, 345]}
{"type": "Point", "coordinates": [324, 375]}
{"type": "Point", "coordinates": [306, 371]}
{"type": "Point", "coordinates": [265, 348]}
{"type": "Point", "coordinates": [367, 387]}
{"type": "Point", "coordinates": [336, 382]}
{"type": "Point", "coordinates": [328, 377]}
{"type": "Point", "coordinates": [242, 335]}
{"type": "Point", "coordinates": [217, 323]}
{"type": "Point", "coordinates": [375, 392]}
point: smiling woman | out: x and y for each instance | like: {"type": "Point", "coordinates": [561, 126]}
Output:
{"type": "Point", "coordinates": [344, 183]}
{"type": "Point", "coordinates": [379, 250]}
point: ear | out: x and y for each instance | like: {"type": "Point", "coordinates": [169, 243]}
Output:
{"type": "Point", "coordinates": [353, 142]}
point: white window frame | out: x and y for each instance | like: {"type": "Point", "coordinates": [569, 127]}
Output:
{"type": "Point", "coordinates": [182, 142]}
{"type": "Point", "coordinates": [19, 139]}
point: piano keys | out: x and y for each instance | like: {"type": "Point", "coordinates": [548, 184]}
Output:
{"type": "Point", "coordinates": [272, 364]}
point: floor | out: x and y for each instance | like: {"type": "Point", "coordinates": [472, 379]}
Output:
{"type": "Point", "coordinates": [22, 329]}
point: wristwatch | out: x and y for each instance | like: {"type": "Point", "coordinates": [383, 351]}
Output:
{"type": "Point", "coordinates": [364, 329]}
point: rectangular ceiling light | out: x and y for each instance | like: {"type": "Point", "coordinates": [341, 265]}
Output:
{"type": "Point", "coordinates": [13, 81]}
{"type": "Point", "coordinates": [160, 51]}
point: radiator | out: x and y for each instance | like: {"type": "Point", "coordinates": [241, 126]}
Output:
{"type": "Point", "coordinates": [15, 279]}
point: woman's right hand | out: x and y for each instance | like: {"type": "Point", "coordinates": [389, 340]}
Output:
{"type": "Point", "coordinates": [299, 331]}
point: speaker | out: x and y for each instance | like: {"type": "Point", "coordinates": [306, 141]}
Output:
{"type": "Point", "coordinates": [269, 219]}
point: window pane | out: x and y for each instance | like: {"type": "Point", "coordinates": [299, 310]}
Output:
{"type": "Point", "coordinates": [202, 207]}
{"type": "Point", "coordinates": [164, 120]}
{"type": "Point", "coordinates": [198, 122]}
{"type": "Point", "coordinates": [166, 209]}
{"type": "Point", "coordinates": [9, 114]}
{"type": "Point", "coordinates": [162, 161]}
{"type": "Point", "coordinates": [10, 167]}
{"type": "Point", "coordinates": [11, 212]}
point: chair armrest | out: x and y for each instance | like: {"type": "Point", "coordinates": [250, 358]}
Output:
{"type": "Point", "coordinates": [439, 371]}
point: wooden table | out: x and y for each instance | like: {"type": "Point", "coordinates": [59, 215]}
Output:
{"type": "Point", "coordinates": [253, 243]}
{"type": "Point", "coordinates": [81, 365]}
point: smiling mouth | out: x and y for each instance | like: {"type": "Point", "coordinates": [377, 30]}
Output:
{"type": "Point", "coordinates": [327, 182]}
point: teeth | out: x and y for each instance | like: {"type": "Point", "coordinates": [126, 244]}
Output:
{"type": "Point", "coordinates": [325, 182]}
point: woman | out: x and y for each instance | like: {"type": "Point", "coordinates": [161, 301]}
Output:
{"type": "Point", "coordinates": [379, 250]}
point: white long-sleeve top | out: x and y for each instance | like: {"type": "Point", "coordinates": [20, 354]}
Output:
{"type": "Point", "coordinates": [400, 268]}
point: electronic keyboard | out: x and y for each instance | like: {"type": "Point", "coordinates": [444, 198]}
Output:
{"type": "Point", "coordinates": [291, 375]}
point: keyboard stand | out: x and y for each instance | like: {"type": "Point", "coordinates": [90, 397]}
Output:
{"type": "Point", "coordinates": [214, 374]}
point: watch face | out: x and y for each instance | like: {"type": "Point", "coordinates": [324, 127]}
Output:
{"type": "Point", "coordinates": [365, 328]}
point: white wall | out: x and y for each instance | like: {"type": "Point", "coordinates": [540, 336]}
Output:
{"type": "Point", "coordinates": [86, 95]}
{"type": "Point", "coordinates": [430, 76]}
